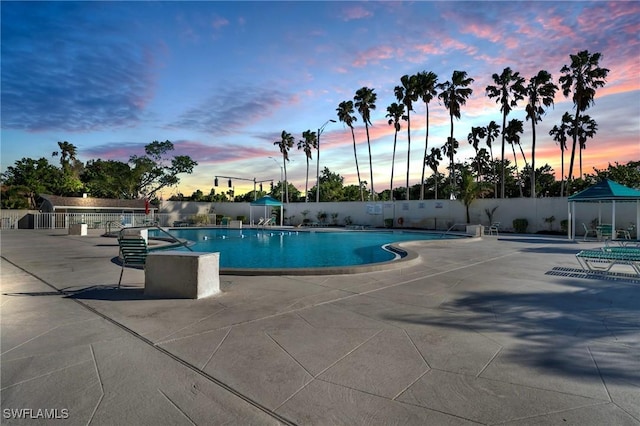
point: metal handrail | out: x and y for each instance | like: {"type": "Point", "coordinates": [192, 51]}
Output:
{"type": "Point", "coordinates": [182, 243]}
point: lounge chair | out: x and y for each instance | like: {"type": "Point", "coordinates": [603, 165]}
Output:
{"type": "Point", "coordinates": [588, 231]}
{"type": "Point", "coordinates": [261, 221]}
{"type": "Point", "coordinates": [604, 259]}
{"type": "Point", "coordinates": [133, 252]}
{"type": "Point", "coordinates": [269, 222]}
{"type": "Point", "coordinates": [604, 232]}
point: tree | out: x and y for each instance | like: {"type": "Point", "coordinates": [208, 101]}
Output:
{"type": "Point", "coordinates": [365, 102]}
{"type": "Point", "coordinates": [346, 115]}
{"type": "Point", "coordinates": [540, 92]}
{"type": "Point", "coordinates": [512, 135]}
{"type": "Point", "coordinates": [68, 152]}
{"type": "Point", "coordinates": [449, 149]}
{"type": "Point", "coordinates": [109, 179]}
{"type": "Point", "coordinates": [474, 139]}
{"type": "Point", "coordinates": [30, 177]}
{"type": "Point", "coordinates": [559, 134]}
{"type": "Point", "coordinates": [155, 170]}
{"type": "Point", "coordinates": [508, 90]}
{"type": "Point", "coordinates": [426, 90]}
{"type": "Point", "coordinates": [395, 112]}
{"type": "Point", "coordinates": [581, 79]}
{"type": "Point", "coordinates": [492, 131]}
{"type": "Point", "coordinates": [284, 144]}
{"type": "Point", "coordinates": [433, 161]}
{"type": "Point", "coordinates": [470, 190]}
{"type": "Point", "coordinates": [407, 94]}
{"type": "Point", "coordinates": [625, 174]}
{"type": "Point", "coordinates": [308, 143]}
{"type": "Point", "coordinates": [587, 128]}
{"type": "Point", "coordinates": [454, 94]}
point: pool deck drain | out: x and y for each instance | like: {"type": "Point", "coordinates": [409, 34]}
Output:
{"type": "Point", "coordinates": [501, 330]}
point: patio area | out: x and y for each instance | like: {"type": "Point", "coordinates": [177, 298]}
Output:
{"type": "Point", "coordinates": [492, 330]}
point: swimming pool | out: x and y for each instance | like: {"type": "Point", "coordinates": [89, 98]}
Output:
{"type": "Point", "coordinates": [280, 249]}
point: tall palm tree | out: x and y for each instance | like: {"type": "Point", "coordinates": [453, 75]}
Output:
{"type": "Point", "coordinates": [394, 112]}
{"type": "Point", "coordinates": [426, 90]}
{"type": "Point", "coordinates": [512, 134]}
{"type": "Point", "coordinates": [581, 79]}
{"type": "Point", "coordinates": [308, 143]}
{"type": "Point", "coordinates": [493, 131]}
{"type": "Point", "coordinates": [449, 149]}
{"type": "Point", "coordinates": [454, 94]}
{"type": "Point", "coordinates": [407, 94]}
{"type": "Point", "coordinates": [474, 139]}
{"type": "Point", "coordinates": [540, 92]}
{"type": "Point", "coordinates": [285, 144]}
{"type": "Point", "coordinates": [433, 161]}
{"type": "Point", "coordinates": [560, 134]}
{"type": "Point", "coordinates": [347, 116]}
{"type": "Point", "coordinates": [508, 90]}
{"type": "Point", "coordinates": [365, 102]}
{"type": "Point", "coordinates": [587, 128]}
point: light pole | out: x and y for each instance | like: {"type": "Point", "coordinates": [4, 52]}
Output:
{"type": "Point", "coordinates": [320, 130]}
{"type": "Point", "coordinates": [276, 161]}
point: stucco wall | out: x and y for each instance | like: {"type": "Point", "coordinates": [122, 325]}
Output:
{"type": "Point", "coordinates": [429, 214]}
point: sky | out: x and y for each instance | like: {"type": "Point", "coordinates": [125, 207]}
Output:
{"type": "Point", "coordinates": [222, 80]}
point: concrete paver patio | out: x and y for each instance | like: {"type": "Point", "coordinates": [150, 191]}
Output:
{"type": "Point", "coordinates": [491, 330]}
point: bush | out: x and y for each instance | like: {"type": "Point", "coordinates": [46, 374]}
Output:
{"type": "Point", "coordinates": [241, 218]}
{"type": "Point", "coordinates": [388, 223]}
{"type": "Point", "coordinates": [520, 225]}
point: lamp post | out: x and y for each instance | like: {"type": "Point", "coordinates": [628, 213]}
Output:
{"type": "Point", "coordinates": [276, 161]}
{"type": "Point", "coordinates": [320, 130]}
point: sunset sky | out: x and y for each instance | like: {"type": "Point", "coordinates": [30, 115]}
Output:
{"type": "Point", "coordinates": [221, 80]}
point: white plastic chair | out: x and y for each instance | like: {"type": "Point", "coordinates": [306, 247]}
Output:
{"type": "Point", "coordinates": [587, 230]}
{"type": "Point", "coordinates": [493, 229]}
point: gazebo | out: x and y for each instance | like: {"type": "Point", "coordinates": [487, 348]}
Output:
{"type": "Point", "coordinates": [266, 201]}
{"type": "Point", "coordinates": [604, 191]}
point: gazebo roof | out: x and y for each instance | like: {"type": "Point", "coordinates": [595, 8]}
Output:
{"type": "Point", "coordinates": [606, 190]}
{"type": "Point", "coordinates": [267, 200]}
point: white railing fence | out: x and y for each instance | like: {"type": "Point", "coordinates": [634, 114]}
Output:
{"type": "Point", "coordinates": [22, 219]}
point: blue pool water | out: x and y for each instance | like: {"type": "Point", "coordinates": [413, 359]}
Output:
{"type": "Point", "coordinates": [274, 248]}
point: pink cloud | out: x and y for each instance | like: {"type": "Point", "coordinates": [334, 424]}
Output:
{"type": "Point", "coordinates": [356, 12]}
{"type": "Point", "coordinates": [374, 55]}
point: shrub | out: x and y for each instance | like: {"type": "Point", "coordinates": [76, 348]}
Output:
{"type": "Point", "coordinates": [520, 225]}
{"type": "Point", "coordinates": [388, 223]}
{"type": "Point", "coordinates": [241, 218]}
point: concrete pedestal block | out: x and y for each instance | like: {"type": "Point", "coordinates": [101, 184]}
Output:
{"type": "Point", "coordinates": [183, 275]}
{"type": "Point", "coordinates": [78, 229]}
{"type": "Point", "coordinates": [137, 232]}
{"type": "Point", "coordinates": [475, 230]}
{"type": "Point", "coordinates": [236, 224]}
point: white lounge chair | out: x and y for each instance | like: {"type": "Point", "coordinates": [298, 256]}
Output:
{"type": "Point", "coordinates": [587, 231]}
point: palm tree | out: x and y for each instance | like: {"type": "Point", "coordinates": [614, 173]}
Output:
{"type": "Point", "coordinates": [346, 115]}
{"type": "Point", "coordinates": [365, 101]}
{"type": "Point", "coordinates": [470, 191]}
{"type": "Point", "coordinates": [407, 95]}
{"type": "Point", "coordinates": [68, 152]}
{"type": "Point", "coordinates": [509, 89]}
{"type": "Point", "coordinates": [394, 112]}
{"type": "Point", "coordinates": [433, 161]}
{"type": "Point", "coordinates": [308, 143]}
{"type": "Point", "coordinates": [426, 90]}
{"type": "Point", "coordinates": [560, 134]}
{"type": "Point", "coordinates": [540, 93]}
{"type": "Point", "coordinates": [449, 149]}
{"type": "Point", "coordinates": [492, 131]}
{"type": "Point", "coordinates": [581, 79]}
{"type": "Point", "coordinates": [587, 128]}
{"type": "Point", "coordinates": [285, 143]}
{"type": "Point", "coordinates": [454, 94]}
{"type": "Point", "coordinates": [512, 135]}
{"type": "Point", "coordinates": [474, 139]}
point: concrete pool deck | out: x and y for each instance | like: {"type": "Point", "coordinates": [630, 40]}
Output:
{"type": "Point", "coordinates": [504, 330]}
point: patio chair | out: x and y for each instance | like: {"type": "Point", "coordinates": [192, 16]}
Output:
{"type": "Point", "coordinates": [493, 229]}
{"type": "Point", "coordinates": [261, 221]}
{"type": "Point", "coordinates": [133, 252]}
{"type": "Point", "coordinates": [588, 231]}
{"type": "Point", "coordinates": [270, 221]}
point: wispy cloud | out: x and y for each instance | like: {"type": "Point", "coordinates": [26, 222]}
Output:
{"type": "Point", "coordinates": [54, 79]}
{"type": "Point", "coordinates": [231, 109]}
{"type": "Point", "coordinates": [351, 13]}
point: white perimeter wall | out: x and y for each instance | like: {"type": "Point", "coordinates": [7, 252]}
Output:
{"type": "Point", "coordinates": [429, 214]}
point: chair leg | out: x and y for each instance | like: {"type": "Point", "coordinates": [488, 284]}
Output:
{"type": "Point", "coordinates": [121, 272]}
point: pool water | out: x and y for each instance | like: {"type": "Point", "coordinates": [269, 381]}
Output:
{"type": "Point", "coordinates": [275, 248]}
